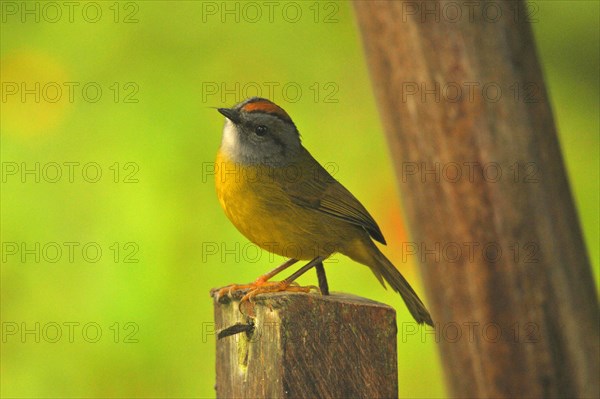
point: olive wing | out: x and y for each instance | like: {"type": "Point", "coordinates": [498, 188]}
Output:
{"type": "Point", "coordinates": [315, 188]}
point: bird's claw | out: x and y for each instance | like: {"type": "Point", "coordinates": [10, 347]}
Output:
{"type": "Point", "coordinates": [260, 286]}
{"type": "Point", "coordinates": [278, 286]}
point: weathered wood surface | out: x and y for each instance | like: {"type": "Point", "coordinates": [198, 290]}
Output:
{"type": "Point", "coordinates": [308, 346]}
{"type": "Point", "coordinates": [538, 294]}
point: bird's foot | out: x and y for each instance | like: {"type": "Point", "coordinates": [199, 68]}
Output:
{"type": "Point", "coordinates": [276, 286]}
{"type": "Point", "coordinates": [260, 286]}
{"type": "Point", "coordinates": [246, 305]}
{"type": "Point", "coordinates": [229, 290]}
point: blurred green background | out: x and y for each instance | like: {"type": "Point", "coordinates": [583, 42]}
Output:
{"type": "Point", "coordinates": [135, 320]}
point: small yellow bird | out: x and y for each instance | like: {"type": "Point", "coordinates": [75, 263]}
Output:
{"type": "Point", "coordinates": [284, 201]}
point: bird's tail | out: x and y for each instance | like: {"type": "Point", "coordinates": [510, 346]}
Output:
{"type": "Point", "coordinates": [385, 270]}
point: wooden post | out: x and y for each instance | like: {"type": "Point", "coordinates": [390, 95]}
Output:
{"type": "Point", "coordinates": [470, 128]}
{"type": "Point", "coordinates": [307, 346]}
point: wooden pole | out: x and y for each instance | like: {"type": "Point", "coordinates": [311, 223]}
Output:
{"type": "Point", "coordinates": [306, 346]}
{"type": "Point", "coordinates": [492, 220]}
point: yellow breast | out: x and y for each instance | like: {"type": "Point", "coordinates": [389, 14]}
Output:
{"type": "Point", "coordinates": [261, 210]}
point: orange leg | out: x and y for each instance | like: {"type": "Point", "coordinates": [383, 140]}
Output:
{"type": "Point", "coordinates": [259, 282]}
{"type": "Point", "coordinates": [263, 286]}
{"type": "Point", "coordinates": [285, 285]}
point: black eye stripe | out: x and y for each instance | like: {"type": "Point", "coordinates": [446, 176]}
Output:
{"type": "Point", "coordinates": [284, 120]}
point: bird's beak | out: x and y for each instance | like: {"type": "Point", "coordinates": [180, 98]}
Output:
{"type": "Point", "coordinates": [231, 114]}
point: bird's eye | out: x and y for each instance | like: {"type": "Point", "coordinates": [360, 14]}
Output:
{"type": "Point", "coordinates": [261, 130]}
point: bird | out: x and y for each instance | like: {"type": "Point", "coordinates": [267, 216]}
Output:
{"type": "Point", "coordinates": [283, 200]}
